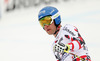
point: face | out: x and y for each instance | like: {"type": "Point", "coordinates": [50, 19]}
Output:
{"type": "Point", "coordinates": [48, 24]}
{"type": "Point", "coordinates": [50, 29]}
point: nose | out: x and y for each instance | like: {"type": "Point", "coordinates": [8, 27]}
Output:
{"type": "Point", "coordinates": [46, 26]}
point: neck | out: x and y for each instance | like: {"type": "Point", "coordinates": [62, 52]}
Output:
{"type": "Point", "coordinates": [57, 31]}
{"type": "Point", "coordinates": [56, 34]}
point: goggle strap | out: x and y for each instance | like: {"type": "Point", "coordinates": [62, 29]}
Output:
{"type": "Point", "coordinates": [55, 16]}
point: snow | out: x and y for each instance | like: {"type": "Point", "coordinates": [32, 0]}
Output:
{"type": "Point", "coordinates": [23, 39]}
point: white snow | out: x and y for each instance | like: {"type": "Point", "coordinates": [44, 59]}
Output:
{"type": "Point", "coordinates": [23, 39]}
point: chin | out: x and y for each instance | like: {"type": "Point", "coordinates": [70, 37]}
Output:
{"type": "Point", "coordinates": [50, 33]}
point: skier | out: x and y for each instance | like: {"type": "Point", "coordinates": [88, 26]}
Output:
{"type": "Point", "coordinates": [68, 44]}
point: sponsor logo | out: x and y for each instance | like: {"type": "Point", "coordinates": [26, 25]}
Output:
{"type": "Point", "coordinates": [66, 29]}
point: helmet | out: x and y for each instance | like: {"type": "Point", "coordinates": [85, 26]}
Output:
{"type": "Point", "coordinates": [50, 11]}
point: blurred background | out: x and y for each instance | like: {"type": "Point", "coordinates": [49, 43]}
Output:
{"type": "Point", "coordinates": [23, 39]}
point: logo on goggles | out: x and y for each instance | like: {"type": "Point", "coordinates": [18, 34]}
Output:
{"type": "Point", "coordinates": [55, 16]}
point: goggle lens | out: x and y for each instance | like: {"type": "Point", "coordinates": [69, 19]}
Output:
{"type": "Point", "coordinates": [45, 21]}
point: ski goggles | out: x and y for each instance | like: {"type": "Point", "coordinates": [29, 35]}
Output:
{"type": "Point", "coordinates": [47, 20]}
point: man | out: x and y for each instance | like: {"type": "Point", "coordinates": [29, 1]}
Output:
{"type": "Point", "coordinates": [68, 44]}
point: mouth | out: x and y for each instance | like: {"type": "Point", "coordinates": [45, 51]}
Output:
{"type": "Point", "coordinates": [48, 29]}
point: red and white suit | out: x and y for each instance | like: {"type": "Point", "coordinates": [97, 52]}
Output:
{"type": "Point", "coordinates": [69, 35]}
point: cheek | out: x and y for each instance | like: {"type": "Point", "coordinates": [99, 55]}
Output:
{"type": "Point", "coordinates": [53, 28]}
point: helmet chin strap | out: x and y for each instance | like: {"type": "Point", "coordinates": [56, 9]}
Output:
{"type": "Point", "coordinates": [57, 30]}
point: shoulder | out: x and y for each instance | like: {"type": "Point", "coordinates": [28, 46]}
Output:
{"type": "Point", "coordinates": [70, 29]}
